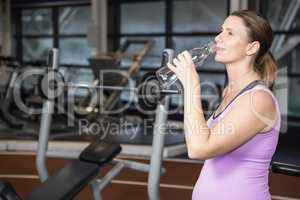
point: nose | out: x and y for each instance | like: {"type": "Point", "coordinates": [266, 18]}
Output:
{"type": "Point", "coordinates": [218, 38]}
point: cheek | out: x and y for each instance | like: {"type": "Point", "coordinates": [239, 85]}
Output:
{"type": "Point", "coordinates": [233, 51]}
{"type": "Point", "coordinates": [235, 45]}
{"type": "Point", "coordinates": [235, 48]}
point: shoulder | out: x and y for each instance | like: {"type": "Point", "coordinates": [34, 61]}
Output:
{"type": "Point", "coordinates": [251, 113]}
{"type": "Point", "coordinates": [259, 97]}
{"type": "Point", "coordinates": [259, 103]}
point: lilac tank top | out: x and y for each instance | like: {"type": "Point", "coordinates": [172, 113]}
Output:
{"type": "Point", "coordinates": [241, 174]}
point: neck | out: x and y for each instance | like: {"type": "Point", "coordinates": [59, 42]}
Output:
{"type": "Point", "coordinates": [239, 75]}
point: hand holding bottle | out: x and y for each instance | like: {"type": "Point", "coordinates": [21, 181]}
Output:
{"type": "Point", "coordinates": [184, 69]}
{"type": "Point", "coordinates": [198, 55]}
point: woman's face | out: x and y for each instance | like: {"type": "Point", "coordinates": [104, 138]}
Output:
{"type": "Point", "coordinates": [232, 42]}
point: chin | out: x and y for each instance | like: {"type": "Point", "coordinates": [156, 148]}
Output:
{"type": "Point", "coordinates": [219, 59]}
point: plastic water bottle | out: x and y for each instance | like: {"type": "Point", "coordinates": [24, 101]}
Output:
{"type": "Point", "coordinates": [167, 77]}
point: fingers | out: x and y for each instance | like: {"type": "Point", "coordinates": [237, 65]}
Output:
{"type": "Point", "coordinates": [183, 60]}
{"type": "Point", "coordinates": [187, 55]}
{"type": "Point", "coordinates": [172, 67]}
{"type": "Point", "coordinates": [176, 62]}
{"type": "Point", "coordinates": [181, 57]}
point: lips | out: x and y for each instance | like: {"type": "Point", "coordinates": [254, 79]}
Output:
{"type": "Point", "coordinates": [219, 48]}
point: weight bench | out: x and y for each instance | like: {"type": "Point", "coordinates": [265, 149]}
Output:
{"type": "Point", "coordinates": [70, 180]}
{"type": "Point", "coordinates": [286, 161]}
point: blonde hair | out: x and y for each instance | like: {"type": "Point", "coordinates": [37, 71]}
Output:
{"type": "Point", "coordinates": [260, 30]}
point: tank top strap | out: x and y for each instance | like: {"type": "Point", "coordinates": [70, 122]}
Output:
{"type": "Point", "coordinates": [266, 89]}
{"type": "Point", "coordinates": [241, 93]}
{"type": "Point", "coordinates": [255, 88]}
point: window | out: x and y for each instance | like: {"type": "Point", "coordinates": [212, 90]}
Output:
{"type": "Point", "coordinates": [177, 24]}
{"type": "Point", "coordinates": [37, 34]}
{"type": "Point", "coordinates": [281, 14]}
{"type": "Point", "coordinates": [60, 26]}
{"type": "Point", "coordinates": [36, 49]}
{"type": "Point", "coordinates": [74, 20]}
{"type": "Point", "coordinates": [74, 50]}
{"type": "Point", "coordinates": [64, 27]}
{"type": "Point", "coordinates": [284, 19]}
{"type": "Point", "coordinates": [37, 21]}
{"type": "Point", "coordinates": [153, 58]}
{"type": "Point", "coordinates": [198, 16]}
{"type": "Point", "coordinates": [73, 26]}
{"type": "Point", "coordinates": [145, 17]}
{"type": "Point", "coordinates": [139, 19]}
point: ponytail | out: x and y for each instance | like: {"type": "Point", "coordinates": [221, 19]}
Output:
{"type": "Point", "coordinates": [267, 68]}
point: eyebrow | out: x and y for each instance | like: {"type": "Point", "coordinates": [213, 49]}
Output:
{"type": "Point", "coordinates": [229, 29]}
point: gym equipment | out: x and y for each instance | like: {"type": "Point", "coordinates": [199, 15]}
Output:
{"type": "Point", "coordinates": [148, 89]}
{"type": "Point", "coordinates": [18, 78]}
{"type": "Point", "coordinates": [109, 63]}
{"type": "Point", "coordinates": [134, 68]}
{"type": "Point", "coordinates": [154, 169]}
{"type": "Point", "coordinates": [285, 165]}
{"type": "Point", "coordinates": [7, 191]}
{"type": "Point", "coordinates": [286, 158]}
{"type": "Point", "coordinates": [69, 181]}
{"type": "Point", "coordinates": [148, 92]}
{"type": "Point", "coordinates": [8, 98]}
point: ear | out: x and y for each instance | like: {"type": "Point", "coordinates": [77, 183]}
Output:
{"type": "Point", "coordinates": [252, 48]}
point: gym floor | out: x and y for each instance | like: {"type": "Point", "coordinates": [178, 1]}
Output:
{"type": "Point", "coordinates": [177, 183]}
